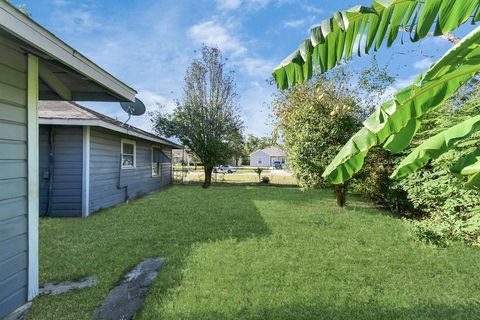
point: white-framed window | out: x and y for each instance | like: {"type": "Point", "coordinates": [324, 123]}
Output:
{"type": "Point", "coordinates": [129, 154]}
{"type": "Point", "coordinates": [259, 161]}
{"type": "Point", "coordinates": [156, 162]}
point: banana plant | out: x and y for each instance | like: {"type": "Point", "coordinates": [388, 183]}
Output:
{"type": "Point", "coordinates": [439, 144]}
{"type": "Point", "coordinates": [395, 123]}
{"type": "Point", "coordinates": [335, 38]}
{"type": "Point", "coordinates": [469, 166]}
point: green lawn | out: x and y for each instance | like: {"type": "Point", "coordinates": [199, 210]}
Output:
{"type": "Point", "coordinates": [259, 252]}
{"type": "Point", "coordinates": [245, 175]}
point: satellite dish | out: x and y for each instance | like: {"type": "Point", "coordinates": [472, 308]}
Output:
{"type": "Point", "coordinates": [136, 108]}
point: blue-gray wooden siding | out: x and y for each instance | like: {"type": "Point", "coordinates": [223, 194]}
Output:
{"type": "Point", "coordinates": [66, 198]}
{"type": "Point", "coordinates": [13, 179]}
{"type": "Point", "coordinates": [105, 147]}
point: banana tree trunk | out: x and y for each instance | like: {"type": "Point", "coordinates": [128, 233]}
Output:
{"type": "Point", "coordinates": [340, 194]}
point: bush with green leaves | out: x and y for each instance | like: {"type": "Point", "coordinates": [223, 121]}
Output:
{"type": "Point", "coordinates": [449, 209]}
{"type": "Point", "coordinates": [315, 119]}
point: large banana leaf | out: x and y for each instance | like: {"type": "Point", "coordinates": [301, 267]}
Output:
{"type": "Point", "coordinates": [437, 145]}
{"type": "Point", "coordinates": [334, 39]}
{"type": "Point", "coordinates": [469, 166]}
{"type": "Point", "coordinates": [396, 121]}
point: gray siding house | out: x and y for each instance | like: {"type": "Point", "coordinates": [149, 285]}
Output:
{"type": "Point", "coordinates": [266, 157]}
{"type": "Point", "coordinates": [89, 161]}
{"type": "Point", "coordinates": [34, 65]}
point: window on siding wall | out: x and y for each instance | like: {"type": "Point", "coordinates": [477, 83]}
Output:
{"type": "Point", "coordinates": [156, 165]}
{"type": "Point", "coordinates": [158, 158]}
{"type": "Point", "coordinates": [259, 161]}
{"type": "Point", "coordinates": [128, 154]}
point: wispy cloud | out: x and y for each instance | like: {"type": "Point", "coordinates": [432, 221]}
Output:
{"type": "Point", "coordinates": [402, 83]}
{"type": "Point", "coordinates": [423, 64]}
{"type": "Point", "coordinates": [299, 23]}
{"type": "Point", "coordinates": [213, 33]}
{"type": "Point", "coordinates": [257, 67]}
{"type": "Point", "coordinates": [79, 18]}
{"type": "Point", "coordinates": [228, 4]}
{"type": "Point", "coordinates": [312, 9]}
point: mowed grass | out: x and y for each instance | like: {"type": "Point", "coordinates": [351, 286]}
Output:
{"type": "Point", "coordinates": [263, 252]}
{"type": "Point", "coordinates": [244, 176]}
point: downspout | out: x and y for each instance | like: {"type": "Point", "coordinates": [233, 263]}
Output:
{"type": "Point", "coordinates": [51, 159]}
{"type": "Point", "coordinates": [119, 184]}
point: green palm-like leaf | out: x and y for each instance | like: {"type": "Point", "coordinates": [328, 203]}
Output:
{"type": "Point", "coordinates": [334, 39]}
{"type": "Point", "coordinates": [437, 145]}
{"type": "Point", "coordinates": [396, 121]}
{"type": "Point", "coordinates": [469, 166]}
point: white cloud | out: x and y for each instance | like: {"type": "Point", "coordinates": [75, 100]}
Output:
{"type": "Point", "coordinates": [74, 19]}
{"type": "Point", "coordinates": [402, 83]}
{"type": "Point", "coordinates": [152, 99]}
{"type": "Point", "coordinates": [228, 4]}
{"type": "Point", "coordinates": [299, 23]}
{"type": "Point", "coordinates": [313, 9]}
{"type": "Point", "coordinates": [257, 4]}
{"type": "Point", "coordinates": [212, 33]}
{"type": "Point", "coordinates": [423, 64]}
{"type": "Point", "coordinates": [257, 67]}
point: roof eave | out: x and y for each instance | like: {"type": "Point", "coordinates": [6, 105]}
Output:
{"type": "Point", "coordinates": [106, 125]}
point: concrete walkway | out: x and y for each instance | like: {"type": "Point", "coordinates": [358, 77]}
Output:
{"type": "Point", "coordinates": [128, 297]}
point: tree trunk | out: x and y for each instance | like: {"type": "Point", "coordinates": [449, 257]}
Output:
{"type": "Point", "coordinates": [208, 177]}
{"type": "Point", "coordinates": [340, 195]}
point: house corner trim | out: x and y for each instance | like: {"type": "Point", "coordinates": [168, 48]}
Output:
{"type": "Point", "coordinates": [33, 169]}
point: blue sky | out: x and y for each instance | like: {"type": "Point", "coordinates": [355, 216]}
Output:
{"type": "Point", "coordinates": [148, 44]}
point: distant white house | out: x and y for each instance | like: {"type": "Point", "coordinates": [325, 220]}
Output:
{"type": "Point", "coordinates": [266, 157]}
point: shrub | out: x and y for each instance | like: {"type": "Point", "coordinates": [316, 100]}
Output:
{"type": "Point", "coordinates": [447, 207]}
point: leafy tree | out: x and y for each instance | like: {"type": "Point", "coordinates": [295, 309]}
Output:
{"type": "Point", "coordinates": [396, 122]}
{"type": "Point", "coordinates": [315, 119]}
{"type": "Point", "coordinates": [206, 119]}
{"type": "Point", "coordinates": [237, 147]}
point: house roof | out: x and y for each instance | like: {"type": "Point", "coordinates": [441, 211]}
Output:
{"type": "Point", "coordinates": [179, 153]}
{"type": "Point", "coordinates": [70, 113]}
{"type": "Point", "coordinates": [65, 74]}
{"type": "Point", "coordinates": [272, 151]}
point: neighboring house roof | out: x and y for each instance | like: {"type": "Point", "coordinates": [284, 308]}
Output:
{"type": "Point", "coordinates": [272, 151]}
{"type": "Point", "coordinates": [70, 113]}
{"type": "Point", "coordinates": [178, 153]}
{"type": "Point", "coordinates": [65, 73]}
